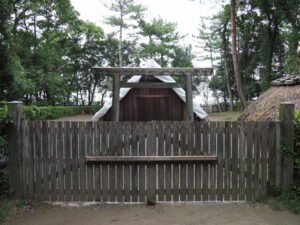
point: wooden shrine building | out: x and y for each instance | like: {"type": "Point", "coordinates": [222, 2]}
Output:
{"type": "Point", "coordinates": [151, 98]}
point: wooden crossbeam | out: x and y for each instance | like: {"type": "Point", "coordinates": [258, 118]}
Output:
{"type": "Point", "coordinates": [176, 71]}
{"type": "Point", "coordinates": [151, 159]}
{"type": "Point", "coordinates": [152, 85]}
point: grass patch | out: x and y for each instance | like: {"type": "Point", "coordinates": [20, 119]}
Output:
{"type": "Point", "coordinates": [6, 208]}
{"type": "Point", "coordinates": [231, 115]}
{"type": "Point", "coordinates": [286, 201]}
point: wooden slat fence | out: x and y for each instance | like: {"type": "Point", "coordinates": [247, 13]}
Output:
{"type": "Point", "coordinates": [57, 161]}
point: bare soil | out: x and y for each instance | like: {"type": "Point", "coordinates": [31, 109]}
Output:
{"type": "Point", "coordinates": [267, 105]}
{"type": "Point", "coordinates": [200, 214]}
{"type": "Point", "coordinates": [211, 117]}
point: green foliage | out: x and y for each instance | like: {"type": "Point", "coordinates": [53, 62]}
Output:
{"type": "Point", "coordinates": [162, 40]}
{"type": "Point", "coordinates": [297, 153]}
{"type": "Point", "coordinates": [287, 200]}
{"type": "Point", "coordinates": [4, 125]}
{"type": "Point", "coordinates": [54, 112]}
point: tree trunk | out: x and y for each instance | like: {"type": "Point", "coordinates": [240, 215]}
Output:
{"type": "Point", "coordinates": [225, 55]}
{"type": "Point", "coordinates": [237, 71]}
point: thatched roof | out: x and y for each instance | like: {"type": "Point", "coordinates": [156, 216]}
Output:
{"type": "Point", "coordinates": [286, 89]}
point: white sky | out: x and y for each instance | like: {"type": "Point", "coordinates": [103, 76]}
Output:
{"type": "Point", "coordinates": [186, 13]}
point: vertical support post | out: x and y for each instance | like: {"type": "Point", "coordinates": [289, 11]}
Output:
{"type": "Point", "coordinates": [286, 116]}
{"type": "Point", "coordinates": [189, 98]}
{"type": "Point", "coordinates": [15, 110]}
{"type": "Point", "coordinates": [116, 98]}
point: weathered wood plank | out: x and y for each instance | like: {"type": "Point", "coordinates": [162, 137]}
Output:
{"type": "Point", "coordinates": [118, 71]}
{"type": "Point", "coordinates": [104, 150]}
{"type": "Point", "coordinates": [75, 160]}
{"type": "Point", "coordinates": [82, 144]}
{"type": "Point", "coordinates": [37, 162]}
{"type": "Point", "coordinates": [198, 151]}
{"type": "Point", "coordinates": [161, 167]}
{"type": "Point", "coordinates": [112, 168]}
{"type": "Point", "coordinates": [176, 147]}
{"type": "Point", "coordinates": [45, 161]}
{"type": "Point", "coordinates": [89, 150]}
{"type": "Point", "coordinates": [97, 139]}
{"type": "Point", "coordinates": [221, 148]}
{"type": "Point", "coordinates": [152, 85]}
{"type": "Point", "coordinates": [168, 167]}
{"type": "Point", "coordinates": [242, 161]}
{"type": "Point", "coordinates": [134, 167]}
{"type": "Point", "coordinates": [205, 165]}
{"type": "Point", "coordinates": [234, 162]}
{"type": "Point", "coordinates": [67, 149]}
{"type": "Point", "coordinates": [142, 170]}
{"type": "Point", "coordinates": [151, 169]}
{"type": "Point", "coordinates": [249, 161]}
{"type": "Point", "coordinates": [53, 183]}
{"type": "Point", "coordinates": [212, 167]}
{"type": "Point", "coordinates": [119, 152]}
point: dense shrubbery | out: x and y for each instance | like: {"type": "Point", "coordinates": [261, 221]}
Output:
{"type": "Point", "coordinates": [4, 123]}
{"type": "Point", "coordinates": [297, 152]}
{"type": "Point", "coordinates": [55, 112]}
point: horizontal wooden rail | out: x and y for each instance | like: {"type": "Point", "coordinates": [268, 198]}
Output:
{"type": "Point", "coordinates": [152, 85]}
{"type": "Point", "coordinates": [126, 71]}
{"type": "Point", "coordinates": [151, 159]}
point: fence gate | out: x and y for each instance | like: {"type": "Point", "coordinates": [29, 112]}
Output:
{"type": "Point", "coordinates": [139, 162]}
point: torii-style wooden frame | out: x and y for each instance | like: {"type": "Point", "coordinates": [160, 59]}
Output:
{"type": "Point", "coordinates": [117, 72]}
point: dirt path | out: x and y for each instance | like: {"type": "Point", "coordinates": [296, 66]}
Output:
{"type": "Point", "coordinates": [211, 117]}
{"type": "Point", "coordinates": [201, 214]}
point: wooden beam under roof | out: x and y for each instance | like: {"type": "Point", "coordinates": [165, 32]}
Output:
{"type": "Point", "coordinates": [129, 71]}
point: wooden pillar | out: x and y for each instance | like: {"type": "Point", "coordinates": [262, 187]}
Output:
{"type": "Point", "coordinates": [15, 110]}
{"type": "Point", "coordinates": [189, 99]}
{"type": "Point", "coordinates": [286, 116]}
{"type": "Point", "coordinates": [116, 98]}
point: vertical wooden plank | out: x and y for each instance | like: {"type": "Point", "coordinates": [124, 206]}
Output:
{"type": "Point", "coordinates": [234, 162]}
{"type": "Point", "coordinates": [227, 161]}
{"type": "Point", "coordinates": [53, 184]}
{"type": "Point", "coordinates": [249, 160]}
{"type": "Point", "coordinates": [212, 166]}
{"type": "Point", "coordinates": [116, 98]}
{"type": "Point", "coordinates": [151, 169]}
{"type": "Point", "coordinates": [82, 145]}
{"type": "Point", "coordinates": [183, 152]}
{"type": "Point", "coordinates": [112, 167]}
{"type": "Point", "coordinates": [242, 161]}
{"type": "Point", "coordinates": [160, 152]}
{"type": "Point", "coordinates": [264, 161]}
{"type": "Point", "coordinates": [37, 162]}
{"type": "Point", "coordinates": [97, 151]}
{"type": "Point", "coordinates": [286, 117]}
{"type": "Point", "coordinates": [104, 149]}
{"type": "Point", "coordinates": [67, 151]}
{"type": "Point", "coordinates": [31, 128]}
{"type": "Point", "coordinates": [24, 159]}
{"type": "Point", "coordinates": [134, 167]}
{"type": "Point", "coordinates": [189, 98]}
{"type": "Point", "coordinates": [198, 178]}
{"type": "Point", "coordinates": [45, 156]}
{"type": "Point", "coordinates": [278, 155]}
{"type": "Point", "coordinates": [205, 165]}
{"type": "Point", "coordinates": [127, 143]}
{"type": "Point", "coordinates": [176, 148]}
{"type": "Point", "coordinates": [142, 151]}
{"type": "Point", "coordinates": [168, 166]}
{"type": "Point", "coordinates": [256, 164]}
{"type": "Point", "coordinates": [89, 151]}
{"type": "Point", "coordinates": [190, 151]}
{"type": "Point", "coordinates": [120, 145]}
{"type": "Point", "coordinates": [75, 160]}
{"type": "Point", "coordinates": [60, 161]}
{"type": "Point", "coordinates": [221, 157]}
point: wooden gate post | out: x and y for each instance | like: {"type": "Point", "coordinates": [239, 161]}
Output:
{"type": "Point", "coordinates": [15, 110]}
{"type": "Point", "coordinates": [286, 116]}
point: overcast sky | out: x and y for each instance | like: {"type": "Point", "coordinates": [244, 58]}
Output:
{"type": "Point", "coordinates": [185, 13]}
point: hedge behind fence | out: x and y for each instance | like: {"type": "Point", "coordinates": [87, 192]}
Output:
{"type": "Point", "coordinates": [55, 112]}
